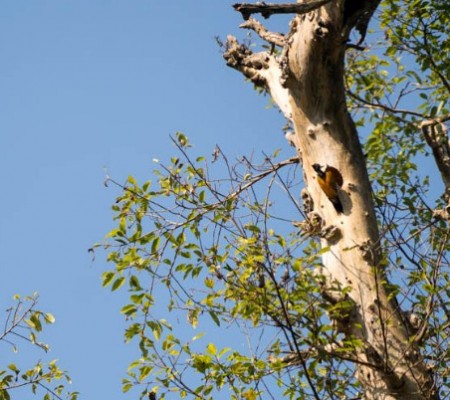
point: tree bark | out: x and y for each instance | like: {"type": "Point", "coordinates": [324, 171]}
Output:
{"type": "Point", "coordinates": [307, 82]}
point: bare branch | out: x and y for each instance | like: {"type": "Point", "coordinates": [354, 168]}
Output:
{"type": "Point", "coordinates": [435, 121]}
{"type": "Point", "coordinates": [240, 57]}
{"type": "Point", "coordinates": [383, 107]}
{"type": "Point", "coordinates": [328, 350]}
{"type": "Point", "coordinates": [355, 46]}
{"type": "Point", "coordinates": [266, 10]}
{"type": "Point", "coordinates": [271, 37]}
{"type": "Point", "coordinates": [434, 66]}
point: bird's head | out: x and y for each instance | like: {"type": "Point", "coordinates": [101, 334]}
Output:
{"type": "Point", "coordinates": [317, 168]}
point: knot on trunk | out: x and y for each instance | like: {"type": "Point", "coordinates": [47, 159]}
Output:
{"type": "Point", "coordinates": [312, 226]}
{"type": "Point", "coordinates": [331, 233]}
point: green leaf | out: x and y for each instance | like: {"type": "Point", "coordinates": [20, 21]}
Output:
{"type": "Point", "coordinates": [155, 244]}
{"type": "Point", "coordinates": [132, 180]}
{"type": "Point", "coordinates": [13, 368]}
{"type": "Point", "coordinates": [224, 351]}
{"type": "Point", "coordinates": [214, 317]}
{"type": "Point", "coordinates": [211, 348]}
{"type": "Point", "coordinates": [199, 336]}
{"type": "Point", "coordinates": [134, 283]}
{"type": "Point", "coordinates": [129, 309]}
{"type": "Point", "coordinates": [49, 318]}
{"type": "Point", "coordinates": [118, 283]}
{"type": "Point", "coordinates": [107, 278]}
{"type": "Point", "coordinates": [4, 395]}
{"type": "Point", "coordinates": [182, 139]}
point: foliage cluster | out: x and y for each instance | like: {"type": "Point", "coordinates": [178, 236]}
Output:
{"type": "Point", "coordinates": [24, 322]}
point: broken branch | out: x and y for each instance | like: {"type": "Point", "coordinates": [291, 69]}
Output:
{"type": "Point", "coordinates": [262, 69]}
{"type": "Point", "coordinates": [271, 37]}
{"type": "Point", "coordinates": [266, 10]}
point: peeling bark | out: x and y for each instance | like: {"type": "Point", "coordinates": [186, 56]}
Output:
{"type": "Point", "coordinates": [307, 83]}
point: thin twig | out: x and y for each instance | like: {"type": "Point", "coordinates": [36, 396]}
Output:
{"type": "Point", "coordinates": [384, 107]}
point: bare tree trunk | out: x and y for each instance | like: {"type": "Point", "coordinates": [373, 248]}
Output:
{"type": "Point", "coordinates": [307, 83]}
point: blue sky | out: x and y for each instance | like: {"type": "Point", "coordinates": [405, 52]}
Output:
{"type": "Point", "coordinates": [93, 85]}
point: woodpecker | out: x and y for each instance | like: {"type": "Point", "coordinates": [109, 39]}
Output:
{"type": "Point", "coordinates": [330, 181]}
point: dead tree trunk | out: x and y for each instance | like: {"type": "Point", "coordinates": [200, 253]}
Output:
{"type": "Point", "coordinates": [307, 83]}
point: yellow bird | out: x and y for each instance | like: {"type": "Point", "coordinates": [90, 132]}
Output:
{"type": "Point", "coordinates": [330, 181]}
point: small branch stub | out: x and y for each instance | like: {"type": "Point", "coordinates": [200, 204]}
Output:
{"type": "Point", "coordinates": [331, 233]}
